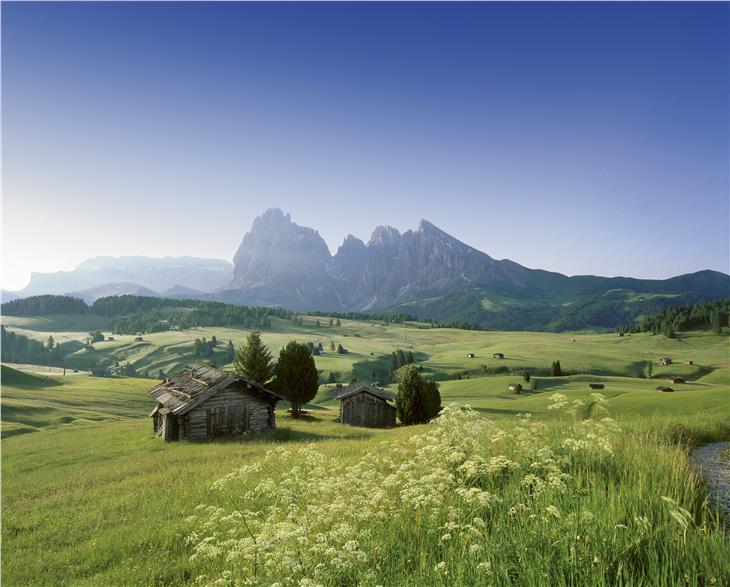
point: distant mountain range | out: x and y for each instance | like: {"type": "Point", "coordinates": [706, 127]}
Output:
{"type": "Point", "coordinates": [425, 272]}
{"type": "Point", "coordinates": [102, 276]}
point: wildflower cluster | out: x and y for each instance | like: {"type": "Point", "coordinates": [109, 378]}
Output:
{"type": "Point", "coordinates": [426, 506]}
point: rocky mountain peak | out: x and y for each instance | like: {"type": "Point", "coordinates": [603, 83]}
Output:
{"type": "Point", "coordinates": [384, 235]}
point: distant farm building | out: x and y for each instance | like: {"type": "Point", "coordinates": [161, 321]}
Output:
{"type": "Point", "coordinates": [620, 333]}
{"type": "Point", "coordinates": [100, 372]}
{"type": "Point", "coordinates": [366, 405]}
{"type": "Point", "coordinates": [596, 386]}
{"type": "Point", "coordinates": [498, 356]}
{"type": "Point", "coordinates": [665, 361]}
{"type": "Point", "coordinates": [202, 402]}
{"type": "Point", "coordinates": [515, 387]}
{"type": "Point", "coordinates": [690, 362]}
{"type": "Point", "coordinates": [470, 356]}
{"type": "Point", "coordinates": [110, 338]}
{"type": "Point", "coordinates": [676, 380]}
{"type": "Point", "coordinates": [664, 389]}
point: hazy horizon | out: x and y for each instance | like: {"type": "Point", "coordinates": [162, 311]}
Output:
{"type": "Point", "coordinates": [577, 138]}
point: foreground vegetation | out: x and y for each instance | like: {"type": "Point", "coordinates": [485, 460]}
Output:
{"type": "Point", "coordinates": [485, 496]}
{"type": "Point", "coordinates": [90, 497]}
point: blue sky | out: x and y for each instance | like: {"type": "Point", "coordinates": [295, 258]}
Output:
{"type": "Point", "coordinates": [580, 138]}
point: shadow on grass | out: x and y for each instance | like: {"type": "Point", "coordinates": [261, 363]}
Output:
{"type": "Point", "coordinates": [501, 411]}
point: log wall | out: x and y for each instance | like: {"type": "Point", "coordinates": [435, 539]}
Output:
{"type": "Point", "coordinates": [364, 409]}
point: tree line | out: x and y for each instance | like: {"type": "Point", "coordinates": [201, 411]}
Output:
{"type": "Point", "coordinates": [44, 305]}
{"type": "Point", "coordinates": [18, 348]}
{"type": "Point", "coordinates": [143, 314]}
{"type": "Point", "coordinates": [708, 316]}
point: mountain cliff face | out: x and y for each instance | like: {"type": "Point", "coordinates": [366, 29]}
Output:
{"type": "Point", "coordinates": [281, 263]}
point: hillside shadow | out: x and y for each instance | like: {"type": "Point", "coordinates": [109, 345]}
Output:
{"type": "Point", "coordinates": [503, 411]}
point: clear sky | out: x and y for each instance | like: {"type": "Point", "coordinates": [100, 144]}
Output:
{"type": "Point", "coordinates": [580, 138]}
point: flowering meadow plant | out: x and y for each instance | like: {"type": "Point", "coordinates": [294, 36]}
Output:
{"type": "Point", "coordinates": [465, 502]}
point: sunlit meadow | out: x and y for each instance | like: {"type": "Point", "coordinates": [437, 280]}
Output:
{"type": "Point", "coordinates": [573, 501]}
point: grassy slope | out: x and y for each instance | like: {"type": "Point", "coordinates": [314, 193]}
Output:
{"type": "Point", "coordinates": [442, 351]}
{"type": "Point", "coordinates": [90, 497]}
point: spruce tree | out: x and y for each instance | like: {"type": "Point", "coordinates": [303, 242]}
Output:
{"type": "Point", "coordinates": [295, 376]}
{"type": "Point", "coordinates": [331, 378]}
{"type": "Point", "coordinates": [230, 352]}
{"type": "Point", "coordinates": [418, 400]}
{"type": "Point", "coordinates": [253, 359]}
{"type": "Point", "coordinates": [555, 371]}
{"type": "Point", "coordinates": [409, 358]}
{"type": "Point", "coordinates": [526, 376]}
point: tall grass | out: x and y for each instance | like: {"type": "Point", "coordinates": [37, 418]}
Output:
{"type": "Point", "coordinates": [469, 502]}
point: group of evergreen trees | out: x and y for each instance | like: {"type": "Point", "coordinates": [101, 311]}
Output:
{"type": "Point", "coordinates": [18, 348]}
{"type": "Point", "coordinates": [203, 347]}
{"type": "Point", "coordinates": [363, 316]}
{"type": "Point", "coordinates": [44, 305]}
{"type": "Point", "coordinates": [294, 376]}
{"type": "Point", "coordinates": [710, 316]}
{"type": "Point", "coordinates": [399, 359]}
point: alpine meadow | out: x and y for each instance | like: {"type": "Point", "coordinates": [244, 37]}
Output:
{"type": "Point", "coordinates": [209, 380]}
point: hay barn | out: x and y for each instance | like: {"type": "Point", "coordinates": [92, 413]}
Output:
{"type": "Point", "coordinates": [663, 389]}
{"type": "Point", "coordinates": [596, 386]}
{"type": "Point", "coordinates": [202, 403]}
{"type": "Point", "coordinates": [515, 387]}
{"type": "Point", "coordinates": [676, 380]}
{"type": "Point", "coordinates": [664, 361]}
{"type": "Point", "coordinates": [366, 405]}
{"type": "Point", "coordinates": [498, 356]}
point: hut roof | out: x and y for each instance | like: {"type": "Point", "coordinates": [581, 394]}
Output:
{"type": "Point", "coordinates": [356, 388]}
{"type": "Point", "coordinates": [196, 383]}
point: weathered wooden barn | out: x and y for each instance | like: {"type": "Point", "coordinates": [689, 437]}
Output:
{"type": "Point", "coordinates": [366, 405]}
{"type": "Point", "coordinates": [664, 361]}
{"type": "Point", "coordinates": [498, 356]}
{"type": "Point", "coordinates": [596, 386]}
{"type": "Point", "coordinates": [515, 387]}
{"type": "Point", "coordinates": [470, 356]}
{"type": "Point", "coordinates": [663, 389]}
{"type": "Point", "coordinates": [202, 402]}
{"type": "Point", "coordinates": [676, 380]}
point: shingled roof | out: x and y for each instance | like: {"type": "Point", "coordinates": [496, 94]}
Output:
{"type": "Point", "coordinates": [356, 388]}
{"type": "Point", "coordinates": [196, 383]}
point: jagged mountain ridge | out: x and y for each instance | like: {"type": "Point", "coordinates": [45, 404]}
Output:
{"type": "Point", "coordinates": [282, 263]}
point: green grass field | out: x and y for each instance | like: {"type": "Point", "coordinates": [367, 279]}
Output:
{"type": "Point", "coordinates": [90, 497]}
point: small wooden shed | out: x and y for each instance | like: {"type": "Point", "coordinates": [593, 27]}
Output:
{"type": "Point", "coordinates": [690, 362]}
{"type": "Point", "coordinates": [515, 387]}
{"type": "Point", "coordinates": [470, 356]}
{"type": "Point", "coordinates": [664, 361]}
{"type": "Point", "coordinates": [498, 356]}
{"type": "Point", "coordinates": [202, 402]}
{"type": "Point", "coordinates": [663, 389]}
{"type": "Point", "coordinates": [596, 386]}
{"type": "Point", "coordinates": [362, 404]}
{"type": "Point", "coordinates": [676, 380]}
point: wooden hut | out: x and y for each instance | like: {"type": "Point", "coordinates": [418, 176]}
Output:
{"type": "Point", "coordinates": [202, 402]}
{"type": "Point", "coordinates": [663, 389]}
{"type": "Point", "coordinates": [100, 372]}
{"type": "Point", "coordinates": [690, 362]}
{"type": "Point", "coordinates": [596, 386]}
{"type": "Point", "coordinates": [664, 361]}
{"type": "Point", "coordinates": [470, 356]}
{"type": "Point", "coordinates": [366, 405]}
{"type": "Point", "coordinates": [676, 380]}
{"type": "Point", "coordinates": [515, 387]}
{"type": "Point", "coordinates": [498, 356]}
